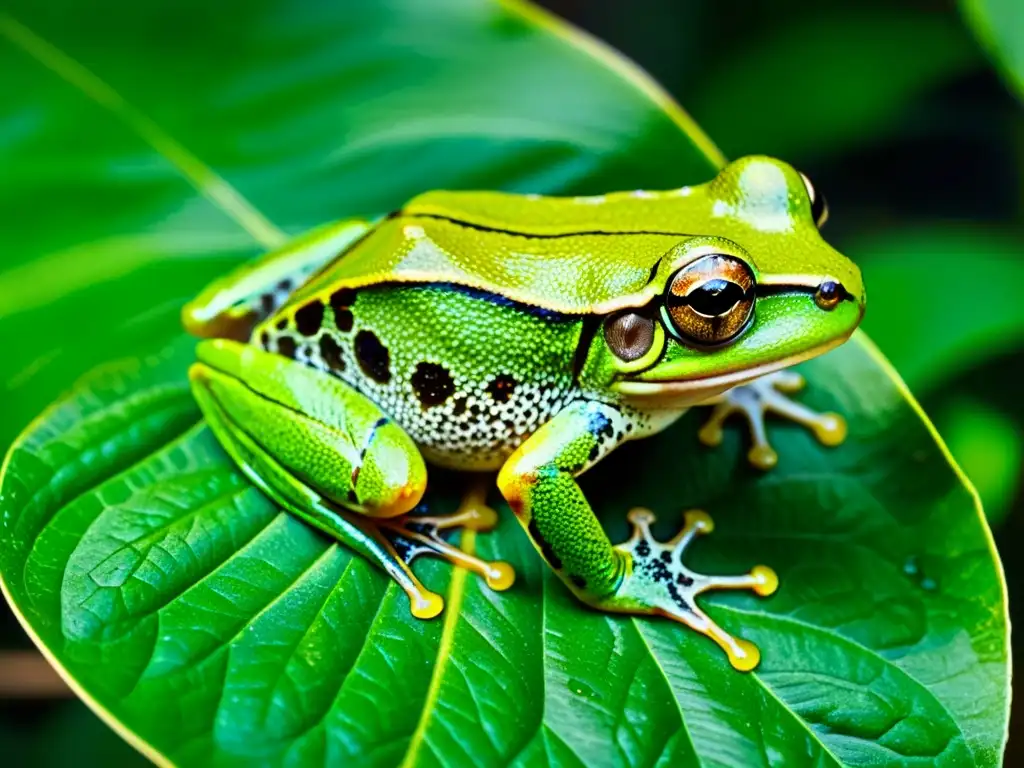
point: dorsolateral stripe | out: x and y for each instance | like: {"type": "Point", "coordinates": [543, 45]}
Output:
{"type": "Point", "coordinates": [538, 235]}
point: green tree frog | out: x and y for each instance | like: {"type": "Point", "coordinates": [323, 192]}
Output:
{"type": "Point", "coordinates": [528, 336]}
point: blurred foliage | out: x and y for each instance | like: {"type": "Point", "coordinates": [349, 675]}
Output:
{"type": "Point", "coordinates": [56, 734]}
{"type": "Point", "coordinates": [828, 53]}
{"type": "Point", "coordinates": [930, 338]}
{"type": "Point", "coordinates": [999, 25]}
{"type": "Point", "coordinates": [988, 446]}
{"type": "Point", "coordinates": [890, 107]}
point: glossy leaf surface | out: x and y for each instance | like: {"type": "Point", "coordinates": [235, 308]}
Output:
{"type": "Point", "coordinates": [217, 630]}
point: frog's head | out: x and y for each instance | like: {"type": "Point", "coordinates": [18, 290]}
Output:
{"type": "Point", "coordinates": [757, 291]}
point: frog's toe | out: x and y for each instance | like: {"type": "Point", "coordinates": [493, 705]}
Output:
{"type": "Point", "coordinates": [754, 401]}
{"type": "Point", "coordinates": [830, 429]}
{"type": "Point", "coordinates": [789, 382]}
{"type": "Point", "coordinates": [424, 604]}
{"type": "Point", "coordinates": [658, 582]}
{"type": "Point", "coordinates": [414, 535]}
{"type": "Point", "coordinates": [762, 456]}
{"type": "Point", "coordinates": [711, 434]}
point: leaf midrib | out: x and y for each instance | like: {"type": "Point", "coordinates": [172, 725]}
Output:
{"type": "Point", "coordinates": [635, 622]}
{"type": "Point", "coordinates": [452, 609]}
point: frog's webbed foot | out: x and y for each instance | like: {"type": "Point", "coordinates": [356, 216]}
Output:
{"type": "Point", "coordinates": [658, 582]}
{"type": "Point", "coordinates": [415, 534]}
{"type": "Point", "coordinates": [760, 397]}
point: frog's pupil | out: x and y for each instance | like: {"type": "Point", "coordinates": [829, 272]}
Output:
{"type": "Point", "coordinates": [715, 297]}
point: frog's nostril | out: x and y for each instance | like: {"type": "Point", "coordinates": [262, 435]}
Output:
{"type": "Point", "coordinates": [829, 294]}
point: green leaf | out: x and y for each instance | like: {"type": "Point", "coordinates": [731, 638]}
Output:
{"type": "Point", "coordinates": [999, 25]}
{"type": "Point", "coordinates": [832, 80]}
{"type": "Point", "coordinates": [208, 627]}
{"type": "Point", "coordinates": [930, 341]}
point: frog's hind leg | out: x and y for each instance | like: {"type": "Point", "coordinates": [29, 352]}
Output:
{"type": "Point", "coordinates": [327, 454]}
{"type": "Point", "coordinates": [231, 306]}
{"type": "Point", "coordinates": [760, 397]}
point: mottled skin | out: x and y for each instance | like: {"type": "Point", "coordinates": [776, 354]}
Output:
{"type": "Point", "coordinates": [483, 331]}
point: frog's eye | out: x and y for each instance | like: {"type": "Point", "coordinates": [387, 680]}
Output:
{"type": "Point", "coordinates": [819, 208]}
{"type": "Point", "coordinates": [711, 300]}
{"type": "Point", "coordinates": [629, 335]}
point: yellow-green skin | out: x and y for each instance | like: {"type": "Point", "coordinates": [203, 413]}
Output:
{"type": "Point", "coordinates": [468, 329]}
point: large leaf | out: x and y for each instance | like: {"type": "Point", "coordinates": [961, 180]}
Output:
{"type": "Point", "coordinates": [985, 442]}
{"type": "Point", "coordinates": [209, 627]}
{"type": "Point", "coordinates": [217, 629]}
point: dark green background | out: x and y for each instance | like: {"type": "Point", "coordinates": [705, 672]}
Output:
{"type": "Point", "coordinates": [896, 114]}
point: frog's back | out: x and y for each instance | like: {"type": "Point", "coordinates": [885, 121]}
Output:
{"type": "Point", "coordinates": [570, 255]}
{"type": "Point", "coordinates": [469, 375]}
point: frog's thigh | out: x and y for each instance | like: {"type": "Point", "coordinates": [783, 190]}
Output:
{"type": "Point", "coordinates": [316, 429]}
{"type": "Point", "coordinates": [231, 306]}
{"type": "Point", "coordinates": [318, 448]}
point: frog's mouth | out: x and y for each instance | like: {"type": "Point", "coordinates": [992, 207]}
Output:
{"type": "Point", "coordinates": [687, 392]}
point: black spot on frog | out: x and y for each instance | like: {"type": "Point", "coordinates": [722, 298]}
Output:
{"type": "Point", "coordinates": [330, 353]}
{"type": "Point", "coordinates": [501, 388]}
{"type": "Point", "coordinates": [374, 358]}
{"type": "Point", "coordinates": [309, 317]}
{"type": "Point", "coordinates": [432, 384]}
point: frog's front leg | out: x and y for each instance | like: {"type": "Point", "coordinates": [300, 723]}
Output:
{"type": "Point", "coordinates": [329, 455]}
{"type": "Point", "coordinates": [757, 399]}
{"type": "Point", "coordinates": [640, 576]}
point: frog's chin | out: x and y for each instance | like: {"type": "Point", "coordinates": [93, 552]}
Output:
{"type": "Point", "coordinates": [686, 392]}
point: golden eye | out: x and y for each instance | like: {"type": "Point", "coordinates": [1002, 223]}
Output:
{"type": "Point", "coordinates": [711, 300]}
{"type": "Point", "coordinates": [819, 208]}
{"type": "Point", "coordinates": [629, 335]}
